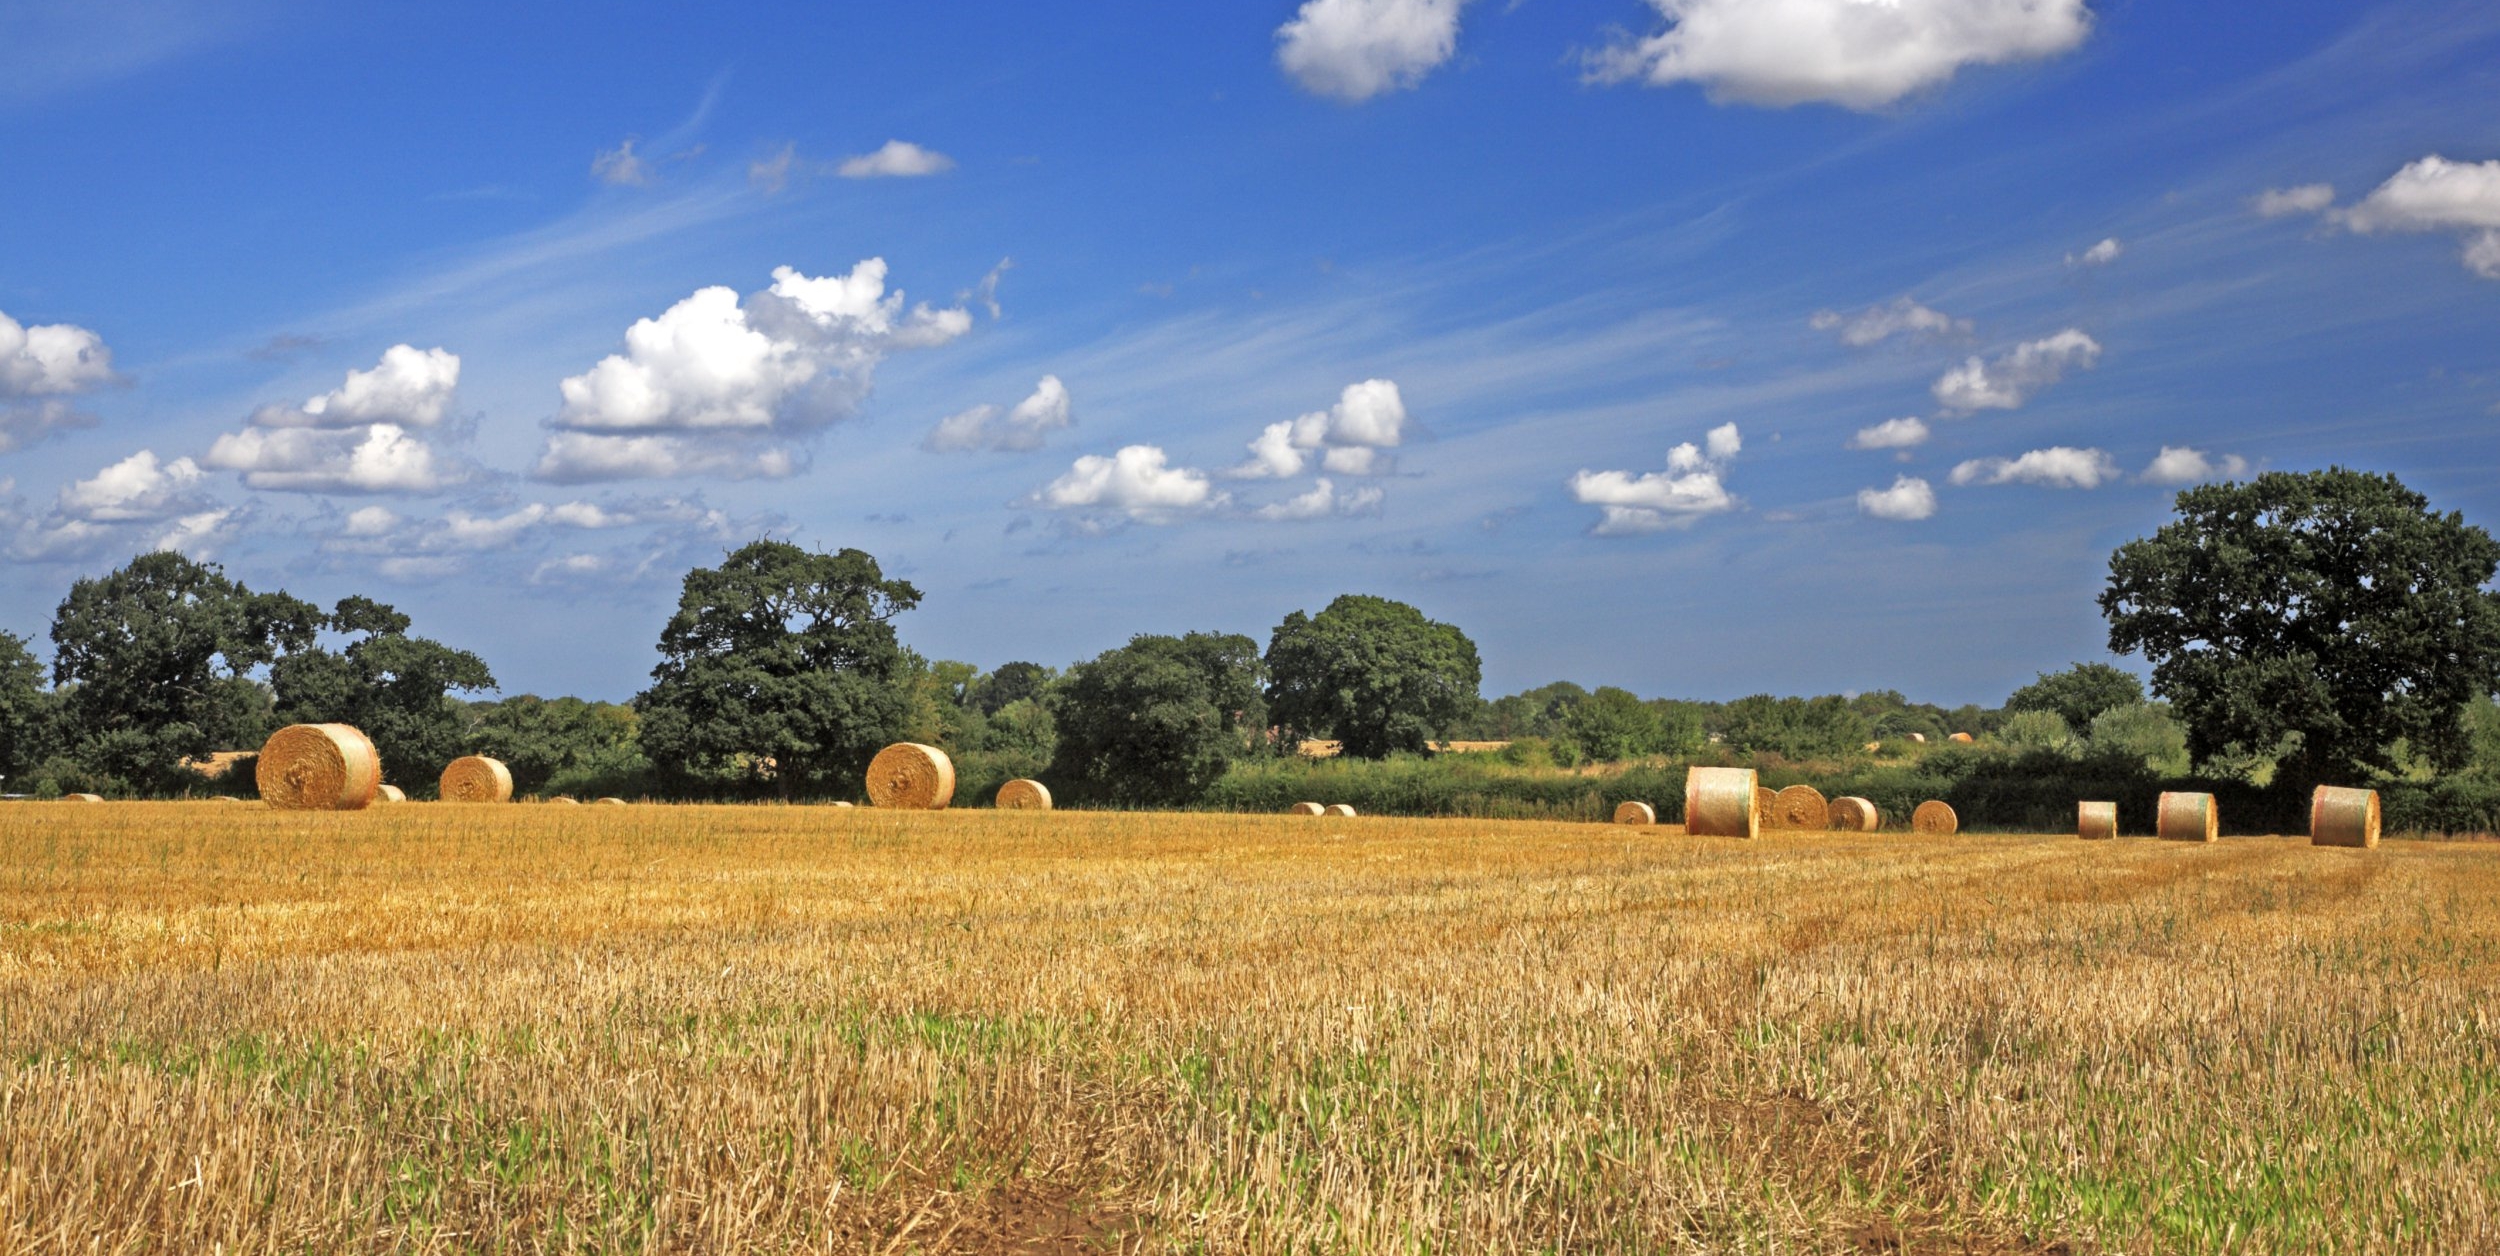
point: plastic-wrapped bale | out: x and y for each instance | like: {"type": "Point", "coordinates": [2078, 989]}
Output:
{"type": "Point", "coordinates": [391, 793]}
{"type": "Point", "coordinates": [1802, 807]}
{"type": "Point", "coordinates": [1722, 802]}
{"type": "Point", "coordinates": [2343, 817]}
{"type": "Point", "coordinates": [1766, 806]}
{"type": "Point", "coordinates": [2187, 818]}
{"type": "Point", "coordinates": [1850, 814]}
{"type": "Point", "coordinates": [1341, 810]}
{"type": "Point", "coordinates": [475, 778]}
{"type": "Point", "coordinates": [2096, 821]}
{"type": "Point", "coordinates": [1635, 813]}
{"type": "Point", "coordinates": [1307, 809]}
{"type": "Point", "coordinates": [1936, 816]}
{"type": "Point", "coordinates": [908, 776]}
{"type": "Point", "coordinates": [318, 767]}
{"type": "Point", "coordinates": [1024, 794]}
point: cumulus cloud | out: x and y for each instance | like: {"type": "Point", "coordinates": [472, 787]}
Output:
{"type": "Point", "coordinates": [41, 367]}
{"type": "Point", "coordinates": [1353, 50]}
{"type": "Point", "coordinates": [1878, 323]}
{"type": "Point", "coordinates": [2308, 198]}
{"type": "Point", "coordinates": [1138, 483]}
{"type": "Point", "coordinates": [717, 385]}
{"type": "Point", "coordinates": [2009, 380]}
{"type": "Point", "coordinates": [621, 166]}
{"type": "Point", "coordinates": [403, 548]}
{"type": "Point", "coordinates": [138, 489]}
{"type": "Point", "coordinates": [2055, 467]}
{"type": "Point", "coordinates": [1348, 438]}
{"type": "Point", "coordinates": [1021, 429]}
{"type": "Point", "coordinates": [2436, 194]}
{"type": "Point", "coordinates": [356, 438]}
{"type": "Point", "coordinates": [1906, 433]}
{"type": "Point", "coordinates": [1908, 499]}
{"type": "Point", "coordinates": [2178, 464]}
{"type": "Point", "coordinates": [1693, 485]}
{"type": "Point", "coordinates": [409, 387]}
{"type": "Point", "coordinates": [1859, 54]}
{"type": "Point", "coordinates": [2101, 254]}
{"type": "Point", "coordinates": [1322, 501]}
{"type": "Point", "coordinates": [899, 159]}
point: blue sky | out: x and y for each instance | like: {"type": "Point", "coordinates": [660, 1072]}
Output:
{"type": "Point", "coordinates": [1706, 347]}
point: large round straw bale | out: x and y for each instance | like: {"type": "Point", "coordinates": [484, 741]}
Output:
{"type": "Point", "coordinates": [2096, 821]}
{"type": "Point", "coordinates": [1722, 802]}
{"type": "Point", "coordinates": [318, 767]}
{"type": "Point", "coordinates": [476, 778]}
{"type": "Point", "coordinates": [2187, 818]}
{"type": "Point", "coordinates": [1802, 807]}
{"type": "Point", "coordinates": [82, 798]}
{"type": "Point", "coordinates": [1341, 810]}
{"type": "Point", "coordinates": [1850, 814]}
{"type": "Point", "coordinates": [1635, 813]}
{"type": "Point", "coordinates": [909, 776]}
{"type": "Point", "coordinates": [1936, 816]}
{"type": "Point", "coordinates": [2343, 817]}
{"type": "Point", "coordinates": [390, 793]}
{"type": "Point", "coordinates": [1023, 794]}
{"type": "Point", "coordinates": [1309, 809]}
{"type": "Point", "coordinates": [1959, 737]}
{"type": "Point", "coordinates": [1766, 804]}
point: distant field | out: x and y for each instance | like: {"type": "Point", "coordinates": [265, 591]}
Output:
{"type": "Point", "coordinates": [440, 1028]}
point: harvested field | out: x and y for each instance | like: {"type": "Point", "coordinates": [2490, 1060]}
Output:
{"type": "Point", "coordinates": [771, 1028]}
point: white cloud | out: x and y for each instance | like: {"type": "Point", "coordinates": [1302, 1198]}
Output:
{"type": "Point", "coordinates": [2101, 254]}
{"type": "Point", "coordinates": [2014, 378]}
{"type": "Point", "coordinates": [196, 534]}
{"type": "Point", "coordinates": [356, 438]}
{"type": "Point", "coordinates": [2055, 467]}
{"type": "Point", "coordinates": [2482, 255]}
{"type": "Point", "coordinates": [1906, 433]}
{"type": "Point", "coordinates": [899, 159]}
{"type": "Point", "coordinates": [716, 385]}
{"type": "Point", "coordinates": [51, 359]}
{"type": "Point", "coordinates": [1353, 50]}
{"type": "Point", "coordinates": [2436, 194]}
{"type": "Point", "coordinates": [372, 521]}
{"type": "Point", "coordinates": [772, 174]}
{"type": "Point", "coordinates": [1322, 501]}
{"type": "Point", "coordinates": [409, 388]}
{"type": "Point", "coordinates": [138, 489]}
{"type": "Point", "coordinates": [1137, 482]}
{"type": "Point", "coordinates": [1348, 438]}
{"type": "Point", "coordinates": [1877, 323]}
{"type": "Point", "coordinates": [22, 423]}
{"type": "Point", "coordinates": [1693, 485]}
{"type": "Point", "coordinates": [621, 166]}
{"type": "Point", "coordinates": [1023, 428]}
{"type": "Point", "coordinates": [1861, 54]}
{"type": "Point", "coordinates": [1908, 499]}
{"type": "Point", "coordinates": [2308, 198]}
{"type": "Point", "coordinates": [2178, 464]}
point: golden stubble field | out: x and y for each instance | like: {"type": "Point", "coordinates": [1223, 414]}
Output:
{"type": "Point", "coordinates": [445, 1028]}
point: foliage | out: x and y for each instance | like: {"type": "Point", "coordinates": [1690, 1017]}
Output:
{"type": "Point", "coordinates": [26, 713]}
{"type": "Point", "coordinates": [153, 661]}
{"type": "Point", "coordinates": [394, 687]}
{"type": "Point", "coordinates": [1156, 721]}
{"type": "Point", "coordinates": [1010, 684]}
{"type": "Point", "coordinates": [2040, 730]}
{"type": "Point", "coordinates": [1612, 725]}
{"type": "Point", "coordinates": [1535, 712]}
{"type": "Point", "coordinates": [1374, 674]}
{"type": "Point", "coordinates": [2079, 694]}
{"type": "Point", "coordinates": [561, 745]}
{"type": "Point", "coordinates": [2143, 733]}
{"type": "Point", "coordinates": [2319, 617]}
{"type": "Point", "coordinates": [781, 667]}
{"type": "Point", "coordinates": [1798, 728]}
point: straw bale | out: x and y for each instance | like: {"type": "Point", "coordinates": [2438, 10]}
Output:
{"type": "Point", "coordinates": [318, 767]}
{"type": "Point", "coordinates": [2096, 821]}
{"type": "Point", "coordinates": [1920, 738]}
{"type": "Point", "coordinates": [609, 802]}
{"type": "Point", "coordinates": [1309, 809]}
{"type": "Point", "coordinates": [1802, 807]}
{"type": "Point", "coordinates": [2343, 817]}
{"type": "Point", "coordinates": [840, 803]}
{"type": "Point", "coordinates": [1850, 814]}
{"type": "Point", "coordinates": [1636, 813]}
{"type": "Point", "coordinates": [1023, 794]}
{"type": "Point", "coordinates": [909, 776]}
{"type": "Point", "coordinates": [1959, 737]}
{"type": "Point", "coordinates": [1766, 805]}
{"type": "Point", "coordinates": [562, 801]}
{"type": "Point", "coordinates": [2187, 818]}
{"type": "Point", "coordinates": [476, 778]}
{"type": "Point", "coordinates": [1936, 816]}
{"type": "Point", "coordinates": [390, 793]}
{"type": "Point", "coordinates": [1873, 746]}
{"type": "Point", "coordinates": [1722, 802]}
{"type": "Point", "coordinates": [1341, 810]}
{"type": "Point", "coordinates": [82, 798]}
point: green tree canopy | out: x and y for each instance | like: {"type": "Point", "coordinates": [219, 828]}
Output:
{"type": "Point", "coordinates": [559, 743]}
{"type": "Point", "coordinates": [1796, 728]}
{"type": "Point", "coordinates": [781, 666]}
{"type": "Point", "coordinates": [1374, 674]}
{"type": "Point", "coordinates": [2079, 694]}
{"type": "Point", "coordinates": [394, 687]}
{"type": "Point", "coordinates": [2317, 617]}
{"type": "Point", "coordinates": [1011, 683]}
{"type": "Point", "coordinates": [1613, 724]}
{"type": "Point", "coordinates": [26, 714]}
{"type": "Point", "coordinates": [1156, 721]}
{"type": "Point", "coordinates": [155, 659]}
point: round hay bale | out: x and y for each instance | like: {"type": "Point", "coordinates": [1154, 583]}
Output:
{"type": "Point", "coordinates": [1936, 816]}
{"type": "Point", "coordinates": [839, 803]}
{"type": "Point", "coordinates": [1722, 802]}
{"type": "Point", "coordinates": [1802, 807]}
{"type": "Point", "coordinates": [1023, 794]}
{"type": "Point", "coordinates": [1341, 810]}
{"type": "Point", "coordinates": [2096, 821]}
{"type": "Point", "coordinates": [2187, 818]}
{"type": "Point", "coordinates": [1959, 737]}
{"type": "Point", "coordinates": [1766, 805]}
{"type": "Point", "coordinates": [1919, 738]}
{"type": "Point", "coordinates": [1309, 809]}
{"type": "Point", "coordinates": [82, 798]}
{"type": "Point", "coordinates": [318, 767]}
{"type": "Point", "coordinates": [476, 778]}
{"type": "Point", "coordinates": [1851, 814]}
{"type": "Point", "coordinates": [562, 801]}
{"type": "Point", "coordinates": [2343, 817]}
{"type": "Point", "coordinates": [1635, 813]}
{"type": "Point", "coordinates": [390, 793]}
{"type": "Point", "coordinates": [609, 802]}
{"type": "Point", "coordinates": [908, 776]}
